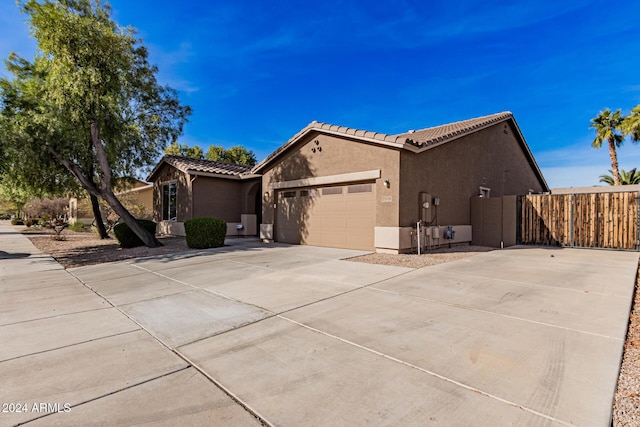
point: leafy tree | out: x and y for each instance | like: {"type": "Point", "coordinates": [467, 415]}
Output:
{"type": "Point", "coordinates": [15, 195]}
{"type": "Point", "coordinates": [184, 150]}
{"type": "Point", "coordinates": [215, 153]}
{"type": "Point", "coordinates": [237, 154]}
{"type": "Point", "coordinates": [626, 178]}
{"type": "Point", "coordinates": [608, 128]}
{"type": "Point", "coordinates": [240, 155]}
{"type": "Point", "coordinates": [89, 100]}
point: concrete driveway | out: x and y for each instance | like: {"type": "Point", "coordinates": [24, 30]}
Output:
{"type": "Point", "coordinates": [294, 335]}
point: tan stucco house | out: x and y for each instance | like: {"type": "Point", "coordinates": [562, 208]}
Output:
{"type": "Point", "coordinates": [185, 188]}
{"type": "Point", "coordinates": [348, 188]}
{"type": "Point", "coordinates": [136, 195]}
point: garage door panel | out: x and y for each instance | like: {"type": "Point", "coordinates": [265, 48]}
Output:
{"type": "Point", "coordinates": [341, 217]}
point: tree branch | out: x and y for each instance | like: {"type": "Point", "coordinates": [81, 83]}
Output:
{"type": "Point", "coordinates": [86, 183]}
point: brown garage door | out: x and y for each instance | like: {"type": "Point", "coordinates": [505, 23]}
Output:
{"type": "Point", "coordinates": [337, 216]}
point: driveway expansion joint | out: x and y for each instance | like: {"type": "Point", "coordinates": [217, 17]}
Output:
{"type": "Point", "coordinates": [493, 313]}
{"type": "Point", "coordinates": [428, 372]}
{"type": "Point", "coordinates": [109, 394]}
{"type": "Point", "coordinates": [232, 396]}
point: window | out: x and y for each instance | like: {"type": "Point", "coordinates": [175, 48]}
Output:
{"type": "Point", "coordinates": [360, 188]}
{"type": "Point", "coordinates": [289, 194]}
{"type": "Point", "coordinates": [331, 190]}
{"type": "Point", "coordinates": [169, 202]}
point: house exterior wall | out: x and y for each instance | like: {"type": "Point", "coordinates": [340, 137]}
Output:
{"type": "Point", "coordinates": [145, 197]}
{"type": "Point", "coordinates": [222, 198]}
{"type": "Point", "coordinates": [336, 156]}
{"type": "Point", "coordinates": [231, 200]}
{"type": "Point", "coordinates": [454, 171]}
{"type": "Point", "coordinates": [166, 175]}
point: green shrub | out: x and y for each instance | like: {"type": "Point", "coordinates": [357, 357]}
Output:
{"type": "Point", "coordinates": [129, 239]}
{"type": "Point", "coordinates": [202, 233]}
{"type": "Point", "coordinates": [16, 221]}
{"type": "Point", "coordinates": [77, 226]}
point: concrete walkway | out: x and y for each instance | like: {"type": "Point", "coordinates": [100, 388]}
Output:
{"type": "Point", "coordinates": [294, 335]}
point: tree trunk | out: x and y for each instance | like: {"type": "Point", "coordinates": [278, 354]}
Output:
{"type": "Point", "coordinates": [148, 238]}
{"type": "Point", "coordinates": [614, 162]}
{"type": "Point", "coordinates": [105, 191]}
{"type": "Point", "coordinates": [97, 215]}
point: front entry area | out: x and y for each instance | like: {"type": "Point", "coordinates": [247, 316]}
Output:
{"type": "Point", "coordinates": [338, 216]}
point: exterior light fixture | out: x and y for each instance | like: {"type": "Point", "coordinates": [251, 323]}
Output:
{"type": "Point", "coordinates": [387, 183]}
{"type": "Point", "coordinates": [266, 196]}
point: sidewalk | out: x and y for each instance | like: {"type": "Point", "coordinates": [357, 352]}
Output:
{"type": "Point", "coordinates": [66, 350]}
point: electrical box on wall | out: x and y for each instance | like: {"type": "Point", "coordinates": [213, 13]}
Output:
{"type": "Point", "coordinates": [424, 203]}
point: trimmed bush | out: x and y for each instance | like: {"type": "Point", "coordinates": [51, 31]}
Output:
{"type": "Point", "coordinates": [77, 226]}
{"type": "Point", "coordinates": [129, 239]}
{"type": "Point", "coordinates": [202, 233]}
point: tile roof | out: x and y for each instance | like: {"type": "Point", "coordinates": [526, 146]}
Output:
{"type": "Point", "coordinates": [443, 133]}
{"type": "Point", "coordinates": [421, 139]}
{"type": "Point", "coordinates": [201, 166]}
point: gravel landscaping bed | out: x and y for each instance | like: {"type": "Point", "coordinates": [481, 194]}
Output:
{"type": "Point", "coordinates": [85, 248]}
{"type": "Point", "coordinates": [434, 257]}
{"type": "Point", "coordinates": [626, 406]}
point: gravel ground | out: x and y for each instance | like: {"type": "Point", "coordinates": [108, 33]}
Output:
{"type": "Point", "coordinates": [434, 257]}
{"type": "Point", "coordinates": [79, 249]}
{"type": "Point", "coordinates": [626, 406]}
{"type": "Point", "coordinates": [84, 248]}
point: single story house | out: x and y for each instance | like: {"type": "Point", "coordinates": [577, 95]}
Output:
{"type": "Point", "coordinates": [185, 188]}
{"type": "Point", "coordinates": [347, 188]}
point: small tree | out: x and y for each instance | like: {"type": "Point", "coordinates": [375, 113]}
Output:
{"type": "Point", "coordinates": [631, 177]}
{"type": "Point", "coordinates": [89, 100]}
{"type": "Point", "coordinates": [608, 128]}
{"type": "Point", "coordinates": [51, 207]}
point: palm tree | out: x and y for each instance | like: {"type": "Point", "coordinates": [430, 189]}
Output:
{"type": "Point", "coordinates": [631, 124]}
{"type": "Point", "coordinates": [626, 178]}
{"type": "Point", "coordinates": [607, 126]}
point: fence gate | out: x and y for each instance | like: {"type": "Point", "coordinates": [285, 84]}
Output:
{"type": "Point", "coordinates": [595, 220]}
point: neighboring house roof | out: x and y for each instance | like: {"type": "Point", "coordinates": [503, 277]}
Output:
{"type": "Point", "coordinates": [193, 166]}
{"type": "Point", "coordinates": [414, 141]}
{"type": "Point", "coordinates": [136, 189]}
{"type": "Point", "coordinates": [596, 189]}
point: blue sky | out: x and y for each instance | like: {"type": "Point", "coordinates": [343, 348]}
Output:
{"type": "Point", "coordinates": [256, 72]}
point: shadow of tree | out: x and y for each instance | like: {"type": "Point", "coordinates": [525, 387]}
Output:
{"type": "Point", "coordinates": [9, 255]}
{"type": "Point", "coordinates": [293, 205]}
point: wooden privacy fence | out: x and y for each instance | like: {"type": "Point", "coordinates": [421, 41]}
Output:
{"type": "Point", "coordinates": [595, 220]}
